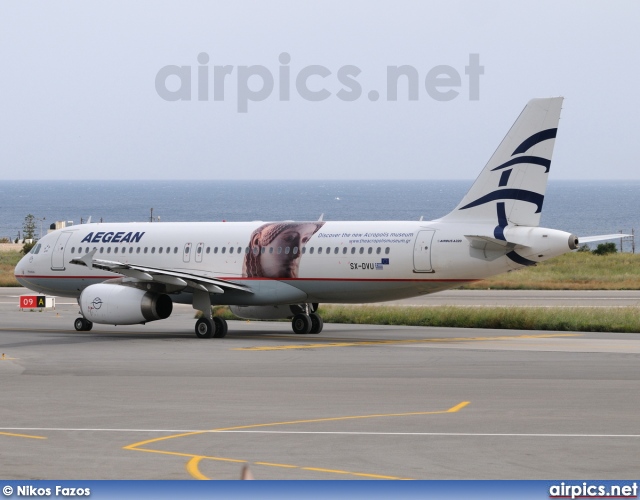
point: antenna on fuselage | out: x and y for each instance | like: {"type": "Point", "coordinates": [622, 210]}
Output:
{"type": "Point", "coordinates": [321, 217]}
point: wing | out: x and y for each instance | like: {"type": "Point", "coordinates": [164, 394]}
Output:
{"type": "Point", "coordinates": [166, 276]}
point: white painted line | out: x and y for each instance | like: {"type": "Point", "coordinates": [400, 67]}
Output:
{"type": "Point", "coordinates": [354, 433]}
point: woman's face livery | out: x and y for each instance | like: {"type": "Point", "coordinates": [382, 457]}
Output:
{"type": "Point", "coordinates": [279, 263]}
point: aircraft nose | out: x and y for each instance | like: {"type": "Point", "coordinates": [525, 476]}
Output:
{"type": "Point", "coordinates": [20, 268]}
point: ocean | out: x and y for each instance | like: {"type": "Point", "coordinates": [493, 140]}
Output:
{"type": "Point", "coordinates": [581, 207]}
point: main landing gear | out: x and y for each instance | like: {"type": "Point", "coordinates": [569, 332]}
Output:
{"type": "Point", "coordinates": [207, 328]}
{"type": "Point", "coordinates": [308, 321]}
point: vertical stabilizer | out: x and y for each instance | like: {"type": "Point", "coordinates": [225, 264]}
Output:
{"type": "Point", "coordinates": [510, 189]}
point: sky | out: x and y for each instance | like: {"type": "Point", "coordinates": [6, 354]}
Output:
{"type": "Point", "coordinates": [287, 90]}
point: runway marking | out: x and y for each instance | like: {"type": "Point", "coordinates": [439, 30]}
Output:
{"type": "Point", "coordinates": [348, 433]}
{"type": "Point", "coordinates": [402, 341]}
{"type": "Point", "coordinates": [22, 435]}
{"type": "Point", "coordinates": [192, 468]}
{"type": "Point", "coordinates": [437, 434]}
{"type": "Point", "coordinates": [192, 465]}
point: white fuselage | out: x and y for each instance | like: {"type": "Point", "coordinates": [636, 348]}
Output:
{"type": "Point", "coordinates": [339, 262]}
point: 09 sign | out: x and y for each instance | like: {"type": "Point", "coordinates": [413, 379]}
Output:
{"type": "Point", "coordinates": [32, 301]}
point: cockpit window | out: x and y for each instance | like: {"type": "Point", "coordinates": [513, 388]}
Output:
{"type": "Point", "coordinates": [35, 249]}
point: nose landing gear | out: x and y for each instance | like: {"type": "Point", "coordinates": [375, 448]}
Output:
{"type": "Point", "coordinates": [82, 325]}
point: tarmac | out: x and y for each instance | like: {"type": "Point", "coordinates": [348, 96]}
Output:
{"type": "Point", "coordinates": [355, 402]}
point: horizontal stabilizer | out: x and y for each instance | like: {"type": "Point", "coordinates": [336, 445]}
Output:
{"type": "Point", "coordinates": [602, 237]}
{"type": "Point", "coordinates": [489, 243]}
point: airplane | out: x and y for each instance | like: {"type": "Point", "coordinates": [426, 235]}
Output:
{"type": "Point", "coordinates": [133, 273]}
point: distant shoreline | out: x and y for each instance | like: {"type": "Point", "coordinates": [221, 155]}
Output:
{"type": "Point", "coordinates": [10, 247]}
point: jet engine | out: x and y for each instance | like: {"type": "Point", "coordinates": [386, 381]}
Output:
{"type": "Point", "coordinates": [111, 304]}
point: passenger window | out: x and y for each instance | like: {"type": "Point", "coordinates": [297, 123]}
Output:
{"type": "Point", "coordinates": [386, 251]}
{"type": "Point", "coordinates": [370, 251]}
{"type": "Point", "coordinates": [319, 250]}
{"type": "Point", "coordinates": [270, 249]}
{"type": "Point", "coordinates": [138, 250]}
{"type": "Point", "coordinates": [215, 249]}
{"type": "Point", "coordinates": [187, 249]}
{"type": "Point", "coordinates": [361, 249]}
{"type": "Point", "coordinates": [108, 249]}
{"type": "Point", "coordinates": [224, 249]}
{"type": "Point", "coordinates": [208, 249]}
{"type": "Point", "coordinates": [239, 249]}
{"type": "Point", "coordinates": [336, 250]}
{"type": "Point", "coordinates": [199, 250]}
{"type": "Point", "coordinates": [130, 249]}
{"type": "Point", "coordinates": [146, 249]}
{"type": "Point", "coordinates": [160, 250]}
{"type": "Point", "coordinates": [295, 250]}
{"type": "Point", "coordinates": [115, 250]}
{"type": "Point", "coordinates": [101, 249]}
{"type": "Point", "coordinates": [279, 250]}
{"type": "Point", "coordinates": [73, 249]}
{"type": "Point", "coordinates": [378, 250]}
{"type": "Point", "coordinates": [328, 250]}
{"type": "Point", "coordinates": [344, 250]}
{"type": "Point", "coordinates": [230, 249]}
{"type": "Point", "coordinates": [256, 250]}
{"type": "Point", "coordinates": [263, 250]}
{"type": "Point", "coordinates": [175, 250]}
{"type": "Point", "coordinates": [311, 250]}
{"type": "Point", "coordinates": [353, 250]}
{"type": "Point", "coordinates": [287, 250]}
{"type": "Point", "coordinates": [168, 249]}
{"type": "Point", "coordinates": [153, 249]}
{"type": "Point", "coordinates": [304, 250]}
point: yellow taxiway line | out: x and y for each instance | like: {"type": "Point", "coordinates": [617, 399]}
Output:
{"type": "Point", "coordinates": [403, 341]}
{"type": "Point", "coordinates": [22, 435]}
{"type": "Point", "coordinates": [192, 465]}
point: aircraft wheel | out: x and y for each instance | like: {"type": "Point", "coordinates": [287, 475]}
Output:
{"type": "Point", "coordinates": [204, 328]}
{"type": "Point", "coordinates": [316, 323]}
{"type": "Point", "coordinates": [301, 324]}
{"type": "Point", "coordinates": [82, 325]}
{"type": "Point", "coordinates": [220, 327]}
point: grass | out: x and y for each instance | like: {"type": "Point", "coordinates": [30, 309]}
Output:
{"type": "Point", "coordinates": [572, 271]}
{"type": "Point", "coordinates": [574, 319]}
{"type": "Point", "coordinates": [564, 319]}
{"type": "Point", "coordinates": [8, 261]}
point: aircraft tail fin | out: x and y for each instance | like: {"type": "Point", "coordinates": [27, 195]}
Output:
{"type": "Point", "coordinates": [510, 189]}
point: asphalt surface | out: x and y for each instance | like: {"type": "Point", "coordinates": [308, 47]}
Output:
{"type": "Point", "coordinates": [355, 402]}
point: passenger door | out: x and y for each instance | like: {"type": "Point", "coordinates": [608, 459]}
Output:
{"type": "Point", "coordinates": [422, 252]}
{"type": "Point", "coordinates": [57, 257]}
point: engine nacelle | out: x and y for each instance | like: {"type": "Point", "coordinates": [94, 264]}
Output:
{"type": "Point", "coordinates": [122, 305]}
{"type": "Point", "coordinates": [262, 312]}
